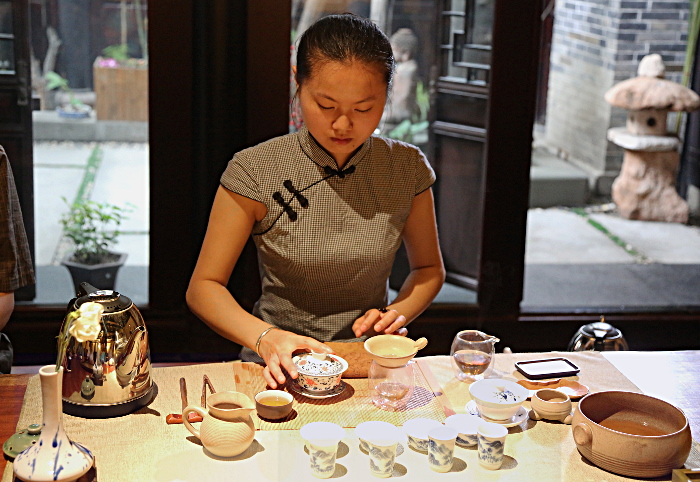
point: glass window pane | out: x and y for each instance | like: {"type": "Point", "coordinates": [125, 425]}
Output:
{"type": "Point", "coordinates": [7, 56]}
{"type": "Point", "coordinates": [6, 18]}
{"type": "Point", "coordinates": [102, 74]}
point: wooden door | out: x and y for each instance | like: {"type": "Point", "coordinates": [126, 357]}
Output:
{"type": "Point", "coordinates": [16, 111]}
{"type": "Point", "coordinates": [483, 89]}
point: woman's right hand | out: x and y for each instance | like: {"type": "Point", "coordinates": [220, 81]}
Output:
{"type": "Point", "coordinates": [277, 347]}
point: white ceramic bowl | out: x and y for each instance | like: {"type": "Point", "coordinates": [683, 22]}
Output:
{"type": "Point", "coordinates": [417, 432]}
{"type": "Point", "coordinates": [466, 425]}
{"type": "Point", "coordinates": [498, 399]}
{"type": "Point", "coordinates": [319, 372]}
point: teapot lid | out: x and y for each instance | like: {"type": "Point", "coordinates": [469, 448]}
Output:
{"type": "Point", "coordinates": [112, 301]}
{"type": "Point", "coordinates": [601, 331]}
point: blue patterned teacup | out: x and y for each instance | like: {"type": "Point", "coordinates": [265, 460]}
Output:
{"type": "Point", "coordinates": [491, 442]}
{"type": "Point", "coordinates": [441, 448]}
{"type": "Point", "coordinates": [466, 425]}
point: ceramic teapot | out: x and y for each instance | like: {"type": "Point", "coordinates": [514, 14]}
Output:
{"type": "Point", "coordinates": [227, 429]}
{"type": "Point", "coordinates": [110, 376]}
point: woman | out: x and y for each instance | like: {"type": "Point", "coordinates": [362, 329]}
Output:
{"type": "Point", "coordinates": [328, 207]}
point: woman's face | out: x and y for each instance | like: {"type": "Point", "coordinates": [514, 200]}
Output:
{"type": "Point", "coordinates": [342, 105]}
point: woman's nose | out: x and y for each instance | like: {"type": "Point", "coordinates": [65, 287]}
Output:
{"type": "Point", "coordinates": [342, 123]}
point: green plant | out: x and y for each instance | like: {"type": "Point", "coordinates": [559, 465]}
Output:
{"type": "Point", "coordinates": [55, 81]}
{"type": "Point", "coordinates": [119, 52]}
{"type": "Point", "coordinates": [93, 229]}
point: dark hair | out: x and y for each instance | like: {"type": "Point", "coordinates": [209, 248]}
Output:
{"type": "Point", "coordinates": [344, 38]}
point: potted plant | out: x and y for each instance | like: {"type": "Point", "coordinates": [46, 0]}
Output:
{"type": "Point", "coordinates": [121, 81]}
{"type": "Point", "coordinates": [74, 109]}
{"type": "Point", "coordinates": [93, 229]}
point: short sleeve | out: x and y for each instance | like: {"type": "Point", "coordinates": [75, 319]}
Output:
{"type": "Point", "coordinates": [241, 177]}
{"type": "Point", "coordinates": [425, 175]}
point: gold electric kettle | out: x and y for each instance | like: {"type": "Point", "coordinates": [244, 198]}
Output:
{"type": "Point", "coordinates": [110, 376]}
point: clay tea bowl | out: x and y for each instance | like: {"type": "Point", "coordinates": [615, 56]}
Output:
{"type": "Point", "coordinates": [631, 434]}
{"type": "Point", "coordinates": [393, 351]}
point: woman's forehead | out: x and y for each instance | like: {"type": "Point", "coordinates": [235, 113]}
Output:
{"type": "Point", "coordinates": [358, 78]}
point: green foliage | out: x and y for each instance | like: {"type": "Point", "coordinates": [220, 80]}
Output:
{"type": "Point", "coordinates": [55, 81]}
{"type": "Point", "coordinates": [119, 52]}
{"type": "Point", "coordinates": [93, 229]}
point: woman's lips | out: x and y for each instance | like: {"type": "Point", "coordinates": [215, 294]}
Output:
{"type": "Point", "coordinates": [341, 142]}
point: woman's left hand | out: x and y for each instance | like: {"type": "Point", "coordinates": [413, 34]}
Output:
{"type": "Point", "coordinates": [375, 322]}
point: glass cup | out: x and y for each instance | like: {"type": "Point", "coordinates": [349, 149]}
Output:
{"type": "Point", "coordinates": [472, 355]}
{"type": "Point", "coordinates": [391, 388]}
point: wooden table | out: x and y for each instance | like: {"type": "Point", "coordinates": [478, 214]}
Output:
{"type": "Point", "coordinates": [673, 376]}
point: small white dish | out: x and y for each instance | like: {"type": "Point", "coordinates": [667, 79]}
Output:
{"type": "Point", "coordinates": [520, 416]}
{"type": "Point", "coordinates": [295, 387]}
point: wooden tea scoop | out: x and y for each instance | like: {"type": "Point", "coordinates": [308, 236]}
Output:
{"type": "Point", "coordinates": [177, 417]}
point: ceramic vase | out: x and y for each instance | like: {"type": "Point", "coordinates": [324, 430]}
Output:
{"type": "Point", "coordinates": [54, 457]}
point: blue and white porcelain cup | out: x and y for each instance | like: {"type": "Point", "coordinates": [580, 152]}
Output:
{"type": "Point", "coordinates": [491, 440]}
{"type": "Point", "coordinates": [466, 425]}
{"type": "Point", "coordinates": [441, 448]}
{"type": "Point", "coordinates": [322, 443]}
{"type": "Point", "coordinates": [417, 432]}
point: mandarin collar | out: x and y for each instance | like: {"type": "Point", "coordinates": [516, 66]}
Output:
{"type": "Point", "coordinates": [319, 156]}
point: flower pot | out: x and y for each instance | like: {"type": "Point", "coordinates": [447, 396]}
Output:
{"type": "Point", "coordinates": [121, 91]}
{"type": "Point", "coordinates": [55, 457]}
{"type": "Point", "coordinates": [102, 276]}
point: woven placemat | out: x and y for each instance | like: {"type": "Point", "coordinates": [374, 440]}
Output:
{"type": "Point", "coordinates": [350, 408]}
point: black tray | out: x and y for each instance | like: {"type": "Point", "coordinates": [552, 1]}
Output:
{"type": "Point", "coordinates": [547, 368]}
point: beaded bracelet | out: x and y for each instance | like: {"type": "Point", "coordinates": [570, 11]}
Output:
{"type": "Point", "coordinates": [257, 343]}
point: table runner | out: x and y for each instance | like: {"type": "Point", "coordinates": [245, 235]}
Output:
{"type": "Point", "coordinates": [141, 447]}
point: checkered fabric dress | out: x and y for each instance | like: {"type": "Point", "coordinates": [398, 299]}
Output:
{"type": "Point", "coordinates": [15, 261]}
{"type": "Point", "coordinates": [331, 264]}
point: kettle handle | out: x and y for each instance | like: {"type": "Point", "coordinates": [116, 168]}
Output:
{"type": "Point", "coordinates": [85, 289]}
{"type": "Point", "coordinates": [186, 421]}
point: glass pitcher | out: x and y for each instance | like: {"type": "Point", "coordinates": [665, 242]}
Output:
{"type": "Point", "coordinates": [472, 355]}
{"type": "Point", "coordinates": [391, 387]}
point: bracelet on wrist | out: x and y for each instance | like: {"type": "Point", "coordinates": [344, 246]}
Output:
{"type": "Point", "coordinates": [265, 332]}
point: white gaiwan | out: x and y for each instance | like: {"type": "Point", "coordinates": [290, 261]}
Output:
{"type": "Point", "coordinates": [319, 372]}
{"type": "Point", "coordinates": [498, 399]}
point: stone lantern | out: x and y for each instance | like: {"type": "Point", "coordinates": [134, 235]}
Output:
{"type": "Point", "coordinates": [645, 188]}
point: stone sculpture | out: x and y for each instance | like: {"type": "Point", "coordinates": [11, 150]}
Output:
{"type": "Point", "coordinates": [645, 188]}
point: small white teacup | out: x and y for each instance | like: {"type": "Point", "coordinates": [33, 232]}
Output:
{"type": "Point", "coordinates": [417, 432]}
{"type": "Point", "coordinates": [322, 443]}
{"type": "Point", "coordinates": [466, 425]}
{"type": "Point", "coordinates": [491, 440]}
{"type": "Point", "coordinates": [382, 451]}
{"type": "Point", "coordinates": [441, 448]}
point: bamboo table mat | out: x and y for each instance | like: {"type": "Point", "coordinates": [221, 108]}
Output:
{"type": "Point", "coordinates": [348, 409]}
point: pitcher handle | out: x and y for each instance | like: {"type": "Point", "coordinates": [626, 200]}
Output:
{"type": "Point", "coordinates": [189, 409]}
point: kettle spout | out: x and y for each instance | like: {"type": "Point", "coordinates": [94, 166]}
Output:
{"type": "Point", "coordinates": [129, 360]}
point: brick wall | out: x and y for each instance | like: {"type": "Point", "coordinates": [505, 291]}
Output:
{"type": "Point", "coordinates": [595, 44]}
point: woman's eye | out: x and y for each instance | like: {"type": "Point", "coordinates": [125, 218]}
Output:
{"type": "Point", "coordinates": [324, 107]}
{"type": "Point", "coordinates": [363, 110]}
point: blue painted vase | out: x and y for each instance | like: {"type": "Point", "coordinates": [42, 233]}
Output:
{"type": "Point", "coordinates": [54, 457]}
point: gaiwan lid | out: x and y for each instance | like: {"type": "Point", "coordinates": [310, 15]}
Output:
{"type": "Point", "coordinates": [319, 364]}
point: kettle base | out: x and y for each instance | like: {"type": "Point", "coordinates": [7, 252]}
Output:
{"type": "Point", "coordinates": [110, 410]}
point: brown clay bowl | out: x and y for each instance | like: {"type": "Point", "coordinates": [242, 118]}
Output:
{"type": "Point", "coordinates": [659, 441]}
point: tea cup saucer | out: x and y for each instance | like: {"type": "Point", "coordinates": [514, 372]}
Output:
{"type": "Point", "coordinates": [295, 387]}
{"type": "Point", "coordinates": [520, 416]}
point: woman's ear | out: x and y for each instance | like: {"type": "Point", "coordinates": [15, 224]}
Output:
{"type": "Point", "coordinates": [294, 71]}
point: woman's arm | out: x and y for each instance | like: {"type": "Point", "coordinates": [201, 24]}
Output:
{"type": "Point", "coordinates": [230, 224]}
{"type": "Point", "coordinates": [425, 279]}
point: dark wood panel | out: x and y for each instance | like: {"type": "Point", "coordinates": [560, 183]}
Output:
{"type": "Point", "coordinates": [459, 194]}
{"type": "Point", "coordinates": [10, 112]}
{"type": "Point", "coordinates": [458, 107]}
